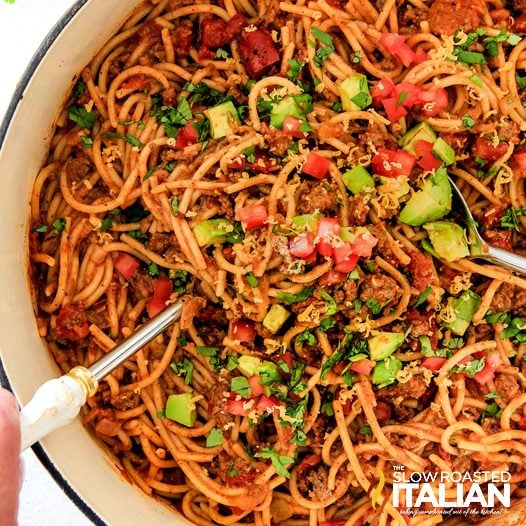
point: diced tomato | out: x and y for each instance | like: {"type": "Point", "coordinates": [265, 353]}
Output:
{"type": "Point", "coordinates": [434, 101]}
{"type": "Point", "coordinates": [308, 462]}
{"type": "Point", "coordinates": [433, 363]}
{"type": "Point", "coordinates": [257, 51]}
{"type": "Point", "coordinates": [420, 56]}
{"type": "Point", "coordinates": [266, 403]}
{"type": "Point", "coordinates": [327, 228]}
{"type": "Point", "coordinates": [234, 406]}
{"type": "Point", "coordinates": [382, 411]}
{"type": "Point", "coordinates": [344, 258]}
{"type": "Point", "coordinates": [316, 166]}
{"type": "Point", "coordinates": [392, 163]}
{"type": "Point", "coordinates": [393, 110]}
{"type": "Point", "coordinates": [380, 91]}
{"type": "Point", "coordinates": [126, 265]}
{"type": "Point", "coordinates": [392, 42]}
{"type": "Point", "coordinates": [407, 94]}
{"type": "Point", "coordinates": [396, 45]}
{"type": "Point", "coordinates": [493, 360]}
{"type": "Point", "coordinates": [427, 160]}
{"type": "Point", "coordinates": [255, 385]}
{"type": "Point", "coordinates": [499, 238]}
{"type": "Point", "coordinates": [422, 270]}
{"type": "Point", "coordinates": [302, 245]}
{"type": "Point", "coordinates": [518, 161]}
{"type": "Point", "coordinates": [363, 245]}
{"type": "Point", "coordinates": [161, 294]}
{"type": "Point", "coordinates": [364, 366]}
{"type": "Point", "coordinates": [188, 135]}
{"type": "Point", "coordinates": [244, 331]}
{"type": "Point", "coordinates": [485, 149]}
{"type": "Point", "coordinates": [333, 277]}
{"type": "Point", "coordinates": [291, 127]}
{"type": "Point", "coordinates": [252, 216]}
{"type": "Point", "coordinates": [138, 82]}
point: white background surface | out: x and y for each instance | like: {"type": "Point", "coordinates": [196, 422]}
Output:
{"type": "Point", "coordinates": [23, 26]}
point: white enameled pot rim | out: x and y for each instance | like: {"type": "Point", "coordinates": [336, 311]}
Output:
{"type": "Point", "coordinates": [26, 78]}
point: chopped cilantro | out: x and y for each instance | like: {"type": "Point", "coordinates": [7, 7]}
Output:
{"type": "Point", "coordinates": [295, 67]}
{"type": "Point", "coordinates": [365, 430]}
{"type": "Point", "coordinates": [58, 226]}
{"type": "Point", "coordinates": [521, 82]}
{"type": "Point", "coordinates": [181, 280]}
{"type": "Point", "coordinates": [295, 298]}
{"type": "Point", "coordinates": [135, 212]}
{"type": "Point", "coordinates": [171, 117]}
{"type": "Point", "coordinates": [80, 89]}
{"type": "Point", "coordinates": [357, 57]}
{"type": "Point", "coordinates": [184, 368]}
{"type": "Point", "coordinates": [374, 306]}
{"type": "Point", "coordinates": [153, 270]}
{"type": "Point", "coordinates": [401, 99]}
{"type": "Point", "coordinates": [306, 337]}
{"type": "Point", "coordinates": [222, 53]}
{"type": "Point", "coordinates": [240, 386]}
{"type": "Point", "coordinates": [471, 368]}
{"type": "Point", "coordinates": [106, 224]}
{"type": "Point", "coordinates": [510, 218]}
{"type": "Point", "coordinates": [322, 52]}
{"type": "Point", "coordinates": [278, 461]}
{"type": "Point", "coordinates": [326, 324]}
{"type": "Point", "coordinates": [330, 304]}
{"type": "Point", "coordinates": [175, 206]}
{"type": "Point", "coordinates": [42, 229]}
{"type": "Point", "coordinates": [231, 362]}
{"type": "Point", "coordinates": [491, 395]}
{"type": "Point", "coordinates": [81, 117]}
{"type": "Point", "coordinates": [138, 235]}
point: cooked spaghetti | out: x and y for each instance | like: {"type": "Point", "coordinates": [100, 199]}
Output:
{"type": "Point", "coordinates": [282, 168]}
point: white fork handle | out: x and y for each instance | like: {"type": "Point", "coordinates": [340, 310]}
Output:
{"type": "Point", "coordinates": [55, 403]}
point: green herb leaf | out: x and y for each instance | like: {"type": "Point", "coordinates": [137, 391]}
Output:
{"type": "Point", "coordinates": [106, 224]}
{"type": "Point", "coordinates": [240, 386]}
{"type": "Point", "coordinates": [401, 99]}
{"type": "Point", "coordinates": [181, 280]}
{"type": "Point", "coordinates": [252, 280]}
{"type": "Point", "coordinates": [374, 306]}
{"type": "Point", "coordinates": [468, 122]}
{"type": "Point", "coordinates": [81, 117]}
{"type": "Point", "coordinates": [295, 298]}
{"type": "Point", "coordinates": [80, 88]}
{"type": "Point", "coordinates": [365, 430]}
{"type": "Point", "coordinates": [322, 52]}
{"type": "Point", "coordinates": [112, 135]}
{"type": "Point", "coordinates": [42, 229]}
{"type": "Point", "coordinates": [422, 297]}
{"type": "Point", "coordinates": [58, 226]}
{"type": "Point", "coordinates": [356, 58]}
{"type": "Point", "coordinates": [132, 140]}
{"type": "Point", "coordinates": [326, 324]}
{"type": "Point", "coordinates": [153, 270]}
{"type": "Point", "coordinates": [306, 337]}
{"type": "Point", "coordinates": [471, 57]}
{"type": "Point", "coordinates": [278, 461]}
{"type": "Point", "coordinates": [175, 206]}
{"type": "Point", "coordinates": [214, 438]}
{"type": "Point", "coordinates": [204, 350]}
{"type": "Point", "coordinates": [87, 142]}
{"type": "Point", "coordinates": [331, 305]}
{"type": "Point", "coordinates": [222, 53]}
{"type": "Point", "coordinates": [295, 68]}
{"type": "Point", "coordinates": [184, 368]}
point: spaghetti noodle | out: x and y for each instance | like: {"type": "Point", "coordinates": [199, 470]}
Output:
{"type": "Point", "coordinates": [280, 166]}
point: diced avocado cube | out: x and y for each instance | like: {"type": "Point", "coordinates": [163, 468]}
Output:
{"type": "Point", "coordinates": [248, 365]}
{"type": "Point", "coordinates": [420, 132]}
{"type": "Point", "coordinates": [212, 231]}
{"type": "Point", "coordinates": [286, 106]}
{"type": "Point", "coordinates": [439, 188]}
{"type": "Point", "coordinates": [306, 222]}
{"type": "Point", "coordinates": [275, 318]}
{"type": "Point", "coordinates": [384, 372]}
{"type": "Point", "coordinates": [448, 240]}
{"type": "Point", "coordinates": [430, 203]}
{"type": "Point", "coordinates": [420, 209]}
{"type": "Point", "coordinates": [354, 92]}
{"type": "Point", "coordinates": [464, 308]}
{"type": "Point", "coordinates": [384, 344]}
{"type": "Point", "coordinates": [357, 179]}
{"type": "Point", "coordinates": [223, 118]}
{"type": "Point", "coordinates": [398, 186]}
{"type": "Point", "coordinates": [443, 151]}
{"type": "Point", "coordinates": [180, 408]}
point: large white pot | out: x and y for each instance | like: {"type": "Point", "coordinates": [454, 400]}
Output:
{"type": "Point", "coordinates": [77, 462]}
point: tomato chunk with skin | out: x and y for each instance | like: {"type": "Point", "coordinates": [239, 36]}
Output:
{"type": "Point", "coordinates": [433, 363]}
{"type": "Point", "coordinates": [427, 160]}
{"type": "Point", "coordinates": [381, 90]}
{"type": "Point", "coordinates": [126, 265]}
{"type": "Point", "coordinates": [328, 227]}
{"type": "Point", "coordinates": [235, 407]}
{"type": "Point", "coordinates": [316, 166]}
{"type": "Point", "coordinates": [433, 100]}
{"type": "Point", "coordinates": [266, 403]}
{"type": "Point", "coordinates": [364, 366]}
{"type": "Point", "coordinates": [292, 127]}
{"type": "Point", "coordinates": [161, 294]}
{"type": "Point", "coordinates": [187, 136]}
{"type": "Point", "coordinates": [363, 245]}
{"type": "Point", "coordinates": [243, 331]}
{"type": "Point", "coordinates": [252, 216]}
{"type": "Point", "coordinates": [493, 360]}
{"type": "Point", "coordinates": [333, 277]}
{"type": "Point", "coordinates": [393, 163]}
{"type": "Point", "coordinates": [257, 52]}
{"type": "Point", "coordinates": [393, 110]}
{"type": "Point", "coordinates": [485, 149]}
{"type": "Point", "coordinates": [302, 245]}
{"type": "Point", "coordinates": [255, 385]}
